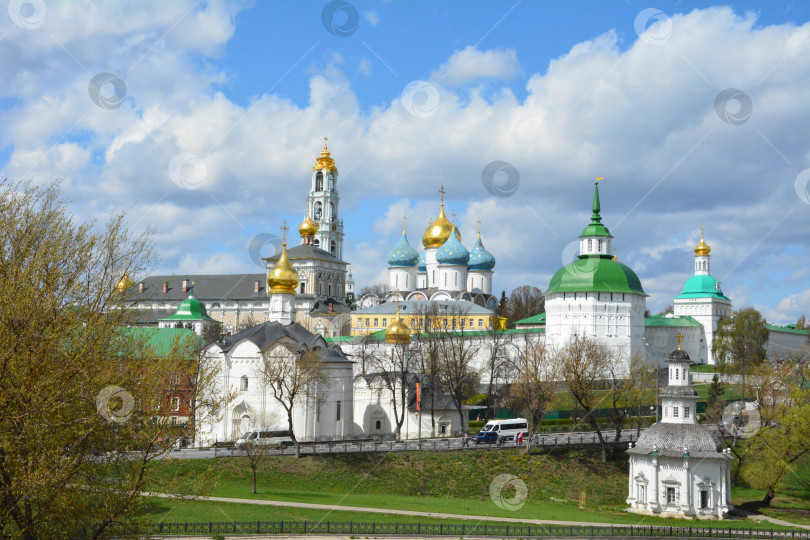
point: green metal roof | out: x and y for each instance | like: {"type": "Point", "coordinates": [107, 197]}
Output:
{"type": "Point", "coordinates": [595, 227]}
{"type": "Point", "coordinates": [660, 320]}
{"type": "Point", "coordinates": [789, 328]}
{"type": "Point", "coordinates": [189, 309]}
{"type": "Point", "coordinates": [540, 318]}
{"type": "Point", "coordinates": [161, 340]}
{"type": "Point", "coordinates": [701, 286]}
{"type": "Point", "coordinates": [595, 273]}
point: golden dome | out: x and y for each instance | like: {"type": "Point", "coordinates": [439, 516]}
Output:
{"type": "Point", "coordinates": [702, 249]}
{"type": "Point", "coordinates": [123, 284]}
{"type": "Point", "coordinates": [282, 278]}
{"type": "Point", "coordinates": [308, 228]}
{"type": "Point", "coordinates": [325, 161]}
{"type": "Point", "coordinates": [398, 331]}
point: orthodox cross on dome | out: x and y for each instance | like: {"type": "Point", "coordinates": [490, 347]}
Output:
{"type": "Point", "coordinates": [442, 192]}
{"type": "Point", "coordinates": [325, 139]}
{"type": "Point", "coordinates": [284, 230]}
{"type": "Point", "coordinates": [478, 222]}
{"type": "Point", "coordinates": [679, 337]}
{"type": "Point", "coordinates": [453, 216]}
{"type": "Point", "coordinates": [404, 222]}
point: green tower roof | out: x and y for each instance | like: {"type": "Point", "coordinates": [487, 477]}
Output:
{"type": "Point", "coordinates": [702, 286]}
{"type": "Point", "coordinates": [189, 309]}
{"type": "Point", "coordinates": [592, 273]}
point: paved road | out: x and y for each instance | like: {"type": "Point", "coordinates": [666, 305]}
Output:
{"type": "Point", "coordinates": [548, 440]}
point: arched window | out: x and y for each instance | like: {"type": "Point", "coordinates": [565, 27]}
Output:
{"type": "Point", "coordinates": [590, 244]}
{"type": "Point", "coordinates": [319, 181]}
{"type": "Point", "coordinates": [600, 246]}
{"type": "Point", "coordinates": [316, 243]}
{"type": "Point", "coordinates": [331, 182]}
{"type": "Point", "coordinates": [243, 383]}
{"type": "Point", "coordinates": [318, 211]}
{"type": "Point", "coordinates": [332, 215]}
{"type": "Point", "coordinates": [332, 247]}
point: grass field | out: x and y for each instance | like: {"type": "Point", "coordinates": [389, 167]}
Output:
{"type": "Point", "coordinates": [454, 483]}
{"type": "Point", "coordinates": [791, 504]}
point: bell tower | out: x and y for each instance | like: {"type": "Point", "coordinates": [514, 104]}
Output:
{"type": "Point", "coordinates": [323, 202]}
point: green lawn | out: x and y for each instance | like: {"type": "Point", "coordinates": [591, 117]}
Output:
{"type": "Point", "coordinates": [454, 483]}
{"type": "Point", "coordinates": [792, 503]}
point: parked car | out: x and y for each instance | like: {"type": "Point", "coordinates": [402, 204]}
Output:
{"type": "Point", "coordinates": [265, 436]}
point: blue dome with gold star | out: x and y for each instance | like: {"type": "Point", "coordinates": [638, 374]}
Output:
{"type": "Point", "coordinates": [422, 264]}
{"type": "Point", "coordinates": [480, 258]}
{"type": "Point", "coordinates": [403, 254]}
{"type": "Point", "coordinates": [453, 253]}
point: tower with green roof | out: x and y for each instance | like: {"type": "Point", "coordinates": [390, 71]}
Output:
{"type": "Point", "coordinates": [191, 313]}
{"type": "Point", "coordinates": [703, 299]}
{"type": "Point", "coordinates": [596, 296]}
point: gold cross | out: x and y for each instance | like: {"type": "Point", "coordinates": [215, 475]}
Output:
{"type": "Point", "coordinates": [404, 221]}
{"type": "Point", "coordinates": [284, 230]}
{"type": "Point", "coordinates": [453, 216]}
{"type": "Point", "coordinates": [324, 142]}
{"type": "Point", "coordinates": [478, 221]}
{"type": "Point", "coordinates": [701, 232]}
{"type": "Point", "coordinates": [679, 337]}
{"type": "Point", "coordinates": [441, 190]}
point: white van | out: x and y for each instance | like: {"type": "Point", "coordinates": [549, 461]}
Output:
{"type": "Point", "coordinates": [500, 431]}
{"type": "Point", "coordinates": [266, 436]}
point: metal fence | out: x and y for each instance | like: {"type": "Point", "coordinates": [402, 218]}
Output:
{"type": "Point", "coordinates": [558, 440]}
{"type": "Point", "coordinates": [457, 529]}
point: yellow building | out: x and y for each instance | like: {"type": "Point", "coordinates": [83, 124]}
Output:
{"type": "Point", "coordinates": [424, 316]}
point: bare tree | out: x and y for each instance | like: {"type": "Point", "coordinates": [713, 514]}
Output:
{"type": "Point", "coordinates": [393, 367]}
{"type": "Point", "coordinates": [294, 377]}
{"type": "Point", "coordinates": [253, 453]}
{"type": "Point", "coordinates": [537, 380]}
{"type": "Point", "coordinates": [525, 301]}
{"type": "Point", "coordinates": [497, 364]}
{"type": "Point", "coordinates": [379, 289]}
{"type": "Point", "coordinates": [583, 362]}
{"type": "Point", "coordinates": [246, 322]}
{"type": "Point", "coordinates": [456, 371]}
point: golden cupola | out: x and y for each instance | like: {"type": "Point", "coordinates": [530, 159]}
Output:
{"type": "Point", "coordinates": [702, 249]}
{"type": "Point", "coordinates": [398, 331]}
{"type": "Point", "coordinates": [325, 160]}
{"type": "Point", "coordinates": [308, 228]}
{"type": "Point", "coordinates": [440, 230]}
{"type": "Point", "coordinates": [282, 278]}
{"type": "Point", "coordinates": [123, 284]}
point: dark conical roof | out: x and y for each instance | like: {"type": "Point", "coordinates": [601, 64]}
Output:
{"type": "Point", "coordinates": [669, 440]}
{"type": "Point", "coordinates": [679, 355]}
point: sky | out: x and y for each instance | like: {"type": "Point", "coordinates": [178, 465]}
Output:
{"type": "Point", "coordinates": [203, 120]}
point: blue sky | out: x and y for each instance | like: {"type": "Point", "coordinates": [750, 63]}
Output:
{"type": "Point", "coordinates": [562, 91]}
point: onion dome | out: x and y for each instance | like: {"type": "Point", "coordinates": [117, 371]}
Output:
{"type": "Point", "coordinates": [308, 228]}
{"type": "Point", "coordinates": [702, 249]}
{"type": "Point", "coordinates": [398, 331]}
{"type": "Point", "coordinates": [422, 264]}
{"type": "Point", "coordinates": [282, 278]}
{"type": "Point", "coordinates": [437, 232]}
{"type": "Point", "coordinates": [480, 257]}
{"type": "Point", "coordinates": [190, 309]}
{"type": "Point", "coordinates": [453, 253]}
{"type": "Point", "coordinates": [123, 284]}
{"type": "Point", "coordinates": [403, 254]}
{"type": "Point", "coordinates": [325, 161]}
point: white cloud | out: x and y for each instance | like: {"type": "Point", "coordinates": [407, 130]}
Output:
{"type": "Point", "coordinates": [365, 67]}
{"type": "Point", "coordinates": [471, 64]}
{"type": "Point", "coordinates": [371, 17]}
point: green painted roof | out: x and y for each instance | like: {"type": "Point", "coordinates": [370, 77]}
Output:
{"type": "Point", "coordinates": [699, 286]}
{"type": "Point", "coordinates": [162, 339]}
{"type": "Point", "coordinates": [540, 318]}
{"type": "Point", "coordinates": [189, 309]}
{"type": "Point", "coordinates": [660, 320]}
{"type": "Point", "coordinates": [594, 273]}
{"type": "Point", "coordinates": [789, 328]}
{"type": "Point", "coordinates": [595, 227]}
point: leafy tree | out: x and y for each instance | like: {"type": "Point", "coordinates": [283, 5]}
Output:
{"type": "Point", "coordinates": [715, 401]}
{"type": "Point", "coordinates": [212, 331]}
{"type": "Point", "coordinates": [81, 414]}
{"type": "Point", "coordinates": [740, 346]}
{"type": "Point", "coordinates": [502, 310]}
{"type": "Point", "coordinates": [800, 323]}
